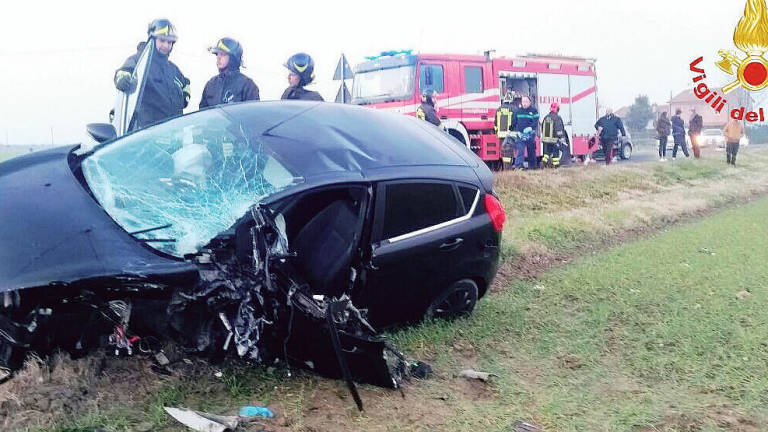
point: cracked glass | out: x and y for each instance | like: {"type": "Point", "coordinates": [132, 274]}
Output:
{"type": "Point", "coordinates": [177, 185]}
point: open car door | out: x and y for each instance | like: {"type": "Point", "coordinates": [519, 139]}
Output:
{"type": "Point", "coordinates": [126, 104]}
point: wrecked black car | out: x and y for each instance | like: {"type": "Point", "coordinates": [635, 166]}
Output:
{"type": "Point", "coordinates": [271, 231]}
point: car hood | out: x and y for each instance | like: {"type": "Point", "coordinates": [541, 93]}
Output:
{"type": "Point", "coordinates": [53, 233]}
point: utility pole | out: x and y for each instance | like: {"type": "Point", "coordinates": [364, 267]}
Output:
{"type": "Point", "coordinates": [51, 136]}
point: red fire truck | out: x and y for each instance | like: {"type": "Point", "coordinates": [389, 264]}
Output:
{"type": "Point", "coordinates": [470, 88]}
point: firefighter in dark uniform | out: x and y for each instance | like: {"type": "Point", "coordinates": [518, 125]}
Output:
{"type": "Point", "coordinates": [229, 85]}
{"type": "Point", "coordinates": [553, 136]}
{"type": "Point", "coordinates": [166, 89]}
{"type": "Point", "coordinates": [426, 111]}
{"type": "Point", "coordinates": [525, 124]}
{"type": "Point", "coordinates": [301, 69]}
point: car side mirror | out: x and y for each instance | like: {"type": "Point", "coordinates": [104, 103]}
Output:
{"type": "Point", "coordinates": [101, 131]}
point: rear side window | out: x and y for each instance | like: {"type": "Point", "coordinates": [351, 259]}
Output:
{"type": "Point", "coordinates": [431, 76]}
{"type": "Point", "coordinates": [468, 195]}
{"type": "Point", "coordinates": [409, 207]}
{"type": "Point", "coordinates": [473, 79]}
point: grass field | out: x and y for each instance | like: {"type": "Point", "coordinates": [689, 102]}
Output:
{"type": "Point", "coordinates": [664, 333]}
{"type": "Point", "coordinates": [667, 333]}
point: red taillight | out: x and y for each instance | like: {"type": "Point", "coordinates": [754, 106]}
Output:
{"type": "Point", "coordinates": [495, 211]}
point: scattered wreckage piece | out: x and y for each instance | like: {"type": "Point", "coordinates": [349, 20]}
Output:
{"type": "Point", "coordinates": [472, 374]}
{"type": "Point", "coordinates": [203, 422]}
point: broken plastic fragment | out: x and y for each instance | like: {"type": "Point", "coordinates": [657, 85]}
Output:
{"type": "Point", "coordinates": [471, 374]}
{"type": "Point", "coordinates": [203, 422]}
{"type": "Point", "coordinates": [256, 411]}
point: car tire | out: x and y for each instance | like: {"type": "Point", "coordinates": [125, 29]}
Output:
{"type": "Point", "coordinates": [456, 301]}
{"type": "Point", "coordinates": [626, 151]}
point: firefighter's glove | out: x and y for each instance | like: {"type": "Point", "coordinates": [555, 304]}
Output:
{"type": "Point", "coordinates": [125, 82]}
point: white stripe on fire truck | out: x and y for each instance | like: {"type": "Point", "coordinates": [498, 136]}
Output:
{"type": "Point", "coordinates": [453, 102]}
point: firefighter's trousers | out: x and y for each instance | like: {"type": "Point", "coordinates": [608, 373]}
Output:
{"type": "Point", "coordinates": [552, 154]}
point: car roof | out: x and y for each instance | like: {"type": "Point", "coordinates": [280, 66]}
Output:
{"type": "Point", "coordinates": [319, 138]}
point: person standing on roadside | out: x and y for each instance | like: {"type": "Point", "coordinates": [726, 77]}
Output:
{"type": "Point", "coordinates": [663, 127]}
{"type": "Point", "coordinates": [301, 72]}
{"type": "Point", "coordinates": [166, 92]}
{"type": "Point", "coordinates": [426, 111]}
{"type": "Point", "coordinates": [608, 128]}
{"type": "Point", "coordinates": [525, 125]}
{"type": "Point", "coordinates": [229, 85]}
{"type": "Point", "coordinates": [695, 126]}
{"type": "Point", "coordinates": [733, 133]}
{"type": "Point", "coordinates": [678, 133]}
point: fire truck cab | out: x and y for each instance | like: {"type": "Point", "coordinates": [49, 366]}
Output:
{"type": "Point", "coordinates": [470, 89]}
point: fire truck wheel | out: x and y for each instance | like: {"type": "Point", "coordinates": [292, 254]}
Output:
{"type": "Point", "coordinates": [626, 151]}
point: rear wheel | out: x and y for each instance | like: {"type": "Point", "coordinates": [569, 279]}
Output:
{"type": "Point", "coordinates": [458, 300]}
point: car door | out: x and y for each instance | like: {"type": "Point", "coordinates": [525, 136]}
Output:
{"type": "Point", "coordinates": [417, 244]}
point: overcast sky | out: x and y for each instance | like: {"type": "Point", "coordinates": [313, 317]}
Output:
{"type": "Point", "coordinates": [57, 59]}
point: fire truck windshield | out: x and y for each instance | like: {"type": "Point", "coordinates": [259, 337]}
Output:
{"type": "Point", "coordinates": [383, 85]}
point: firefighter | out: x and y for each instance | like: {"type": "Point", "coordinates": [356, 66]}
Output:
{"type": "Point", "coordinates": [694, 130]}
{"type": "Point", "coordinates": [426, 111]}
{"type": "Point", "coordinates": [166, 92]}
{"type": "Point", "coordinates": [608, 127]}
{"type": "Point", "coordinates": [525, 123]}
{"type": "Point", "coordinates": [502, 122]}
{"type": "Point", "coordinates": [553, 136]}
{"type": "Point", "coordinates": [301, 70]}
{"type": "Point", "coordinates": [229, 85]}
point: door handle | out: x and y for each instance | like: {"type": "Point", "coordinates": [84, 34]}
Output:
{"type": "Point", "coordinates": [451, 245]}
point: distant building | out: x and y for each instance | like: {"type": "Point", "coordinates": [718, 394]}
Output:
{"type": "Point", "coordinates": [686, 100]}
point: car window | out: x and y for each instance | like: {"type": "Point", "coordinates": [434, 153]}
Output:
{"type": "Point", "coordinates": [177, 185]}
{"type": "Point", "coordinates": [473, 79]}
{"type": "Point", "coordinates": [431, 76]}
{"type": "Point", "coordinates": [468, 195]}
{"type": "Point", "coordinates": [412, 206]}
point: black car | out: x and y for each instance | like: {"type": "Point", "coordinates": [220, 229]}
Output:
{"type": "Point", "coordinates": [621, 150]}
{"type": "Point", "coordinates": [273, 230]}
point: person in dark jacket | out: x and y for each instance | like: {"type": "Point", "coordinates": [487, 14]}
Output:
{"type": "Point", "coordinates": [229, 85]}
{"type": "Point", "coordinates": [608, 128]}
{"type": "Point", "coordinates": [426, 111]}
{"type": "Point", "coordinates": [525, 125]}
{"type": "Point", "coordinates": [166, 89]}
{"type": "Point", "coordinates": [301, 69]}
{"type": "Point", "coordinates": [694, 130]}
{"type": "Point", "coordinates": [678, 133]}
{"type": "Point", "coordinates": [662, 132]}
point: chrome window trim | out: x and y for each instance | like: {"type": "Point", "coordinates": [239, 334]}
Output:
{"type": "Point", "coordinates": [440, 225]}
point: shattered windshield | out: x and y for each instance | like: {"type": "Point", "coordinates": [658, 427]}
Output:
{"type": "Point", "coordinates": [383, 85]}
{"type": "Point", "coordinates": [177, 185]}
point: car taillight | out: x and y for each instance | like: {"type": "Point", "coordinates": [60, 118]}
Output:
{"type": "Point", "coordinates": [495, 211]}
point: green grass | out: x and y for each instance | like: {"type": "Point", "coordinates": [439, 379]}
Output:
{"type": "Point", "coordinates": [618, 341]}
{"type": "Point", "coordinates": [648, 334]}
